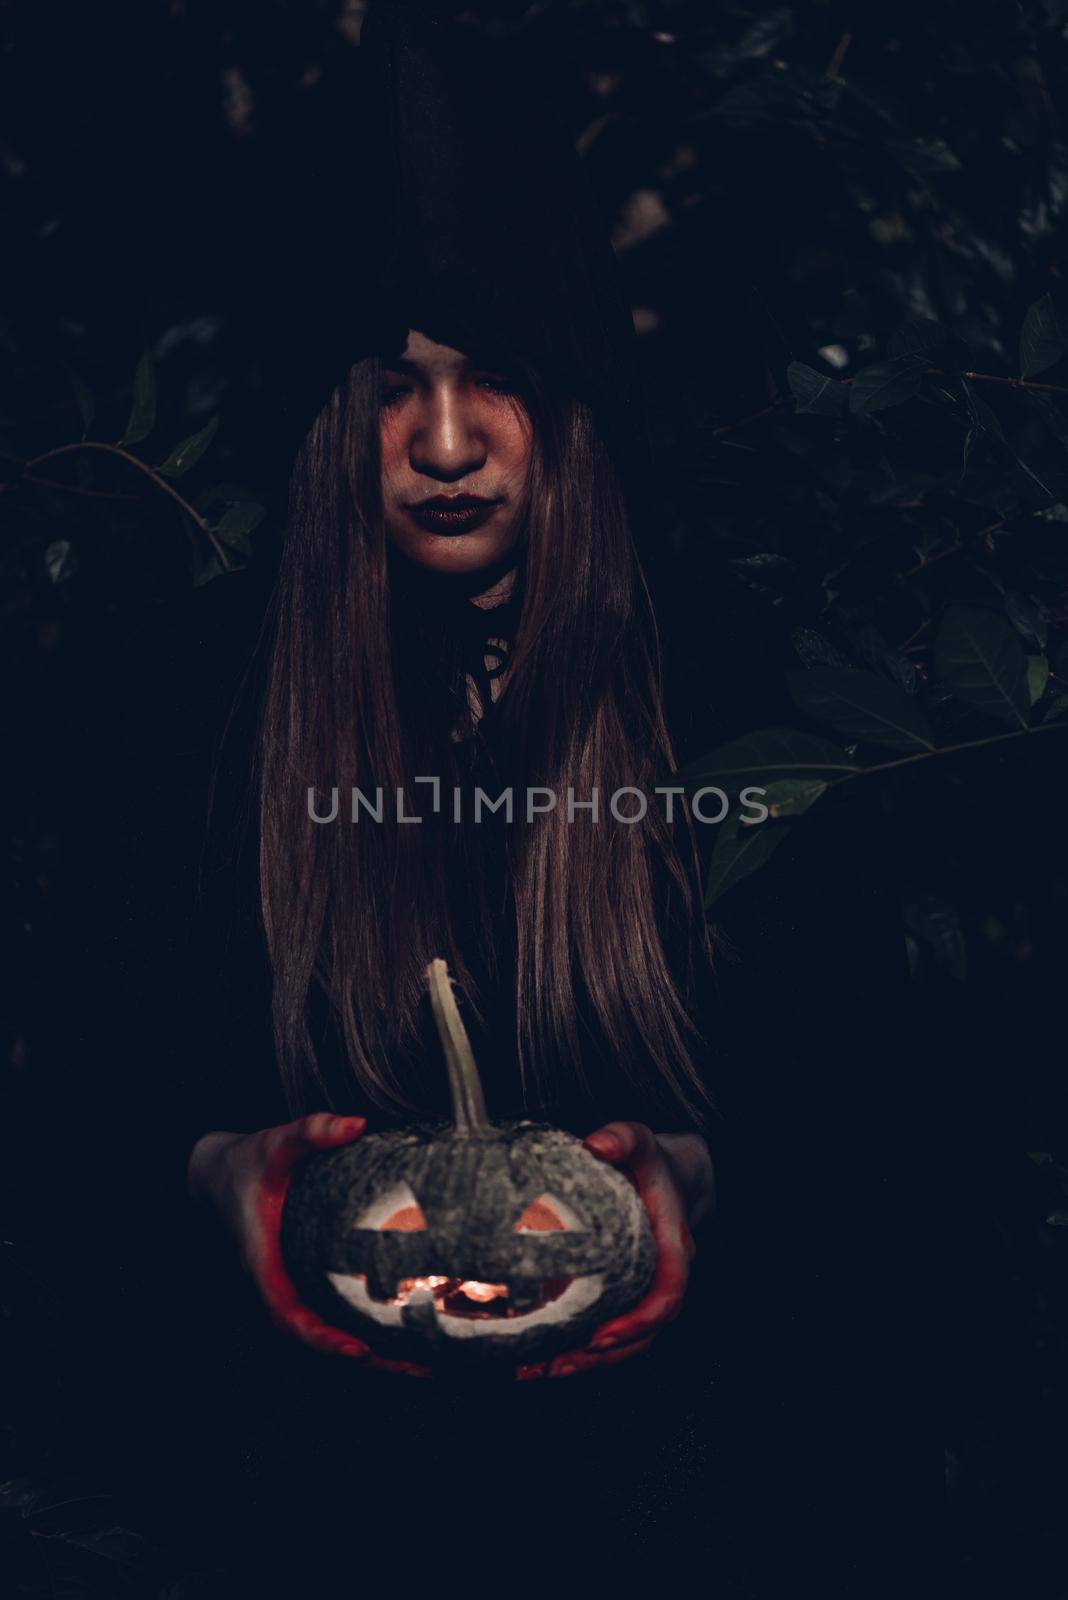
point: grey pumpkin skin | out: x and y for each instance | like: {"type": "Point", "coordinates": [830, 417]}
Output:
{"type": "Point", "coordinates": [472, 1180]}
{"type": "Point", "coordinates": [472, 1192]}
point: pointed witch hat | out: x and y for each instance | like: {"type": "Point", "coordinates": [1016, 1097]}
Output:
{"type": "Point", "coordinates": [439, 194]}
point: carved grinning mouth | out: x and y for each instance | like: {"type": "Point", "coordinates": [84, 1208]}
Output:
{"type": "Point", "coordinates": [464, 1305]}
{"type": "Point", "coordinates": [459, 1297]}
{"type": "Point", "coordinates": [466, 1316]}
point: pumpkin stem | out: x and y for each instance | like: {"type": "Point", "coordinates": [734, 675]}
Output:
{"type": "Point", "coordinates": [468, 1106]}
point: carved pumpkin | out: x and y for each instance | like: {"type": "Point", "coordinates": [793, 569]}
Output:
{"type": "Point", "coordinates": [467, 1241]}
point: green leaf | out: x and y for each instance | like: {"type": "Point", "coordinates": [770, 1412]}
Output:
{"type": "Point", "coordinates": [980, 660]}
{"type": "Point", "coordinates": [862, 705]}
{"type": "Point", "coordinates": [928, 344]}
{"type": "Point", "coordinates": [60, 561]}
{"type": "Point", "coordinates": [218, 495]}
{"type": "Point", "coordinates": [1042, 341]}
{"type": "Point", "coordinates": [189, 452]}
{"type": "Point", "coordinates": [816, 393]}
{"type": "Point", "coordinates": [211, 567]}
{"type": "Point", "coordinates": [919, 337]}
{"type": "Point", "coordinates": [888, 383]}
{"type": "Point", "coordinates": [815, 650]}
{"type": "Point", "coordinates": [237, 523]}
{"type": "Point", "coordinates": [771, 754]}
{"type": "Point", "coordinates": [1057, 709]}
{"type": "Point", "coordinates": [985, 419]}
{"type": "Point", "coordinates": [983, 416]}
{"type": "Point", "coordinates": [86, 400]}
{"type": "Point", "coordinates": [1037, 677]}
{"type": "Point", "coordinates": [1043, 406]}
{"type": "Point", "coordinates": [766, 561]}
{"type": "Point", "coordinates": [1028, 618]}
{"type": "Point", "coordinates": [922, 157]}
{"type": "Point", "coordinates": [738, 852]}
{"type": "Point", "coordinates": [789, 797]}
{"type": "Point", "coordinates": [143, 409]}
{"type": "Point", "coordinates": [935, 921]}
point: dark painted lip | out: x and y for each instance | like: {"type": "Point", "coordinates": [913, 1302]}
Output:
{"type": "Point", "coordinates": [452, 514]}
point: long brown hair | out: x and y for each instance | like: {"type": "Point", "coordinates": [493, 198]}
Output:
{"type": "Point", "coordinates": [364, 690]}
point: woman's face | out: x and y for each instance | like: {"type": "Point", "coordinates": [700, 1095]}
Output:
{"type": "Point", "coordinates": [455, 444]}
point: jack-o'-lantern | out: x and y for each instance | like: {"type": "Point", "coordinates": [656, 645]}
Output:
{"type": "Point", "coordinates": [467, 1241]}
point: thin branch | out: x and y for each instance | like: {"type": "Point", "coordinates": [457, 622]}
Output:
{"type": "Point", "coordinates": [981, 377]}
{"type": "Point", "coordinates": [992, 377]}
{"type": "Point", "coordinates": [754, 416]}
{"type": "Point", "coordinates": [984, 534]}
{"type": "Point", "coordinates": [835, 63]}
{"type": "Point", "coordinates": [914, 636]}
{"type": "Point", "coordinates": [75, 488]}
{"type": "Point", "coordinates": [952, 749]}
{"type": "Point", "coordinates": [921, 566]}
{"type": "Point", "coordinates": [154, 477]}
{"type": "Point", "coordinates": [846, 383]}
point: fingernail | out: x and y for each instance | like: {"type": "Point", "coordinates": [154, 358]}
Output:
{"type": "Point", "coordinates": [602, 1344]}
{"type": "Point", "coordinates": [567, 1370]}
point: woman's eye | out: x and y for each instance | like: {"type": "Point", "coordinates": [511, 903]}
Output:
{"type": "Point", "coordinates": [393, 393]}
{"type": "Point", "coordinates": [494, 384]}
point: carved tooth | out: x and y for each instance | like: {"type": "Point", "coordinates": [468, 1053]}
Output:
{"type": "Point", "coordinates": [524, 1296]}
{"type": "Point", "coordinates": [420, 1313]}
{"type": "Point", "coordinates": [379, 1286]}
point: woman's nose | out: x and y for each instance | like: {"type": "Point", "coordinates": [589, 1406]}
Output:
{"type": "Point", "coordinates": [447, 442]}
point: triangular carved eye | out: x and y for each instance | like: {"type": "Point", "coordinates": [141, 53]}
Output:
{"type": "Point", "coordinates": [547, 1214]}
{"type": "Point", "coordinates": [398, 1210]}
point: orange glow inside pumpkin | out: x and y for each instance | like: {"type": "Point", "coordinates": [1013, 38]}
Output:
{"type": "Point", "coordinates": [539, 1217]}
{"type": "Point", "coordinates": [466, 1296]}
{"type": "Point", "coordinates": [409, 1219]}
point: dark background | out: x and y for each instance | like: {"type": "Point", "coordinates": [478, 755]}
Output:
{"type": "Point", "coordinates": [842, 233]}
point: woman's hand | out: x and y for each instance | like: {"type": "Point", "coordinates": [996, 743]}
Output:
{"type": "Point", "coordinates": [246, 1177]}
{"type": "Point", "coordinates": [673, 1176]}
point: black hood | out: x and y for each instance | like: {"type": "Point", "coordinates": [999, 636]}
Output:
{"type": "Point", "coordinates": [438, 193]}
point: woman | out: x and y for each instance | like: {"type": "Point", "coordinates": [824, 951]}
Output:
{"type": "Point", "coordinates": [438, 504]}
{"type": "Point", "coordinates": [431, 487]}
